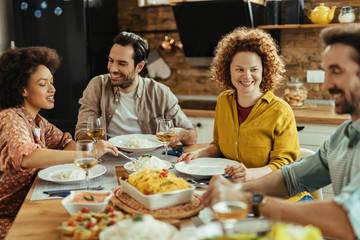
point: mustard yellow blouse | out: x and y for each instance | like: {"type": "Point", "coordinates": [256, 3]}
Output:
{"type": "Point", "coordinates": [267, 137]}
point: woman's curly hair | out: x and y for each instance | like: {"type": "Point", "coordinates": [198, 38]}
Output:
{"type": "Point", "coordinates": [244, 39]}
{"type": "Point", "coordinates": [16, 66]}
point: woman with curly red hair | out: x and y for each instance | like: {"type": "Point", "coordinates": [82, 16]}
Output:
{"type": "Point", "coordinates": [29, 142]}
{"type": "Point", "coordinates": [252, 125]}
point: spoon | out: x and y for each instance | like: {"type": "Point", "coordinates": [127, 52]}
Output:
{"type": "Point", "coordinates": [130, 158]}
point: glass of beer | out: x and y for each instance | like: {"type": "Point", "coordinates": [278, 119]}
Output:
{"type": "Point", "coordinates": [85, 157]}
{"type": "Point", "coordinates": [165, 133]}
{"type": "Point", "coordinates": [95, 128]}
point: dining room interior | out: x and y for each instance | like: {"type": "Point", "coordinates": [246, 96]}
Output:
{"type": "Point", "coordinates": [121, 196]}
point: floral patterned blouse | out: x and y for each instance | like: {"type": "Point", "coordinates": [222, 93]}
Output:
{"type": "Point", "coordinates": [20, 136]}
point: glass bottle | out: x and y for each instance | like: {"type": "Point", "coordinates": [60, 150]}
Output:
{"type": "Point", "coordinates": [295, 93]}
{"type": "Point", "coordinates": [346, 15]}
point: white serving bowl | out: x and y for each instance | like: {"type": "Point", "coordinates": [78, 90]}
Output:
{"type": "Point", "coordinates": [145, 227]}
{"type": "Point", "coordinates": [73, 207]}
{"type": "Point", "coordinates": [159, 200]}
{"type": "Point", "coordinates": [128, 165]}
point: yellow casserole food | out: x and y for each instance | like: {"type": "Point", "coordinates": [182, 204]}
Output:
{"type": "Point", "coordinates": [151, 181]}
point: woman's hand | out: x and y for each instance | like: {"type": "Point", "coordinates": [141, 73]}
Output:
{"type": "Point", "coordinates": [187, 157]}
{"type": "Point", "coordinates": [238, 172]}
{"type": "Point", "coordinates": [103, 147]}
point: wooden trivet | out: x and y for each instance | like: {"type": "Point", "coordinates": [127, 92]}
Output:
{"type": "Point", "coordinates": [130, 205]}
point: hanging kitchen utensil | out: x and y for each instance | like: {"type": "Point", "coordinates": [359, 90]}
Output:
{"type": "Point", "coordinates": [157, 66]}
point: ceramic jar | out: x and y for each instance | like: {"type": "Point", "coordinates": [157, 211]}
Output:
{"type": "Point", "coordinates": [346, 15]}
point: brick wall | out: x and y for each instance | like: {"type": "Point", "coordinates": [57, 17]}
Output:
{"type": "Point", "coordinates": [301, 48]}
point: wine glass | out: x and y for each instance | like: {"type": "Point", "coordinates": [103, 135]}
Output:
{"type": "Point", "coordinates": [228, 213]}
{"type": "Point", "coordinates": [95, 128]}
{"type": "Point", "coordinates": [165, 132]}
{"type": "Point", "coordinates": [85, 157]}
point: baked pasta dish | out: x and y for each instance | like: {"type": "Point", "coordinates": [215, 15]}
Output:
{"type": "Point", "coordinates": [151, 181]}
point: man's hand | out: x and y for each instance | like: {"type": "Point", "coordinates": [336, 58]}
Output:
{"type": "Point", "coordinates": [185, 136]}
{"type": "Point", "coordinates": [221, 189]}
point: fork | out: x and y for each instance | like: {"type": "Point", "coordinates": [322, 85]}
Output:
{"type": "Point", "coordinates": [130, 158]}
{"type": "Point", "coordinates": [198, 184]}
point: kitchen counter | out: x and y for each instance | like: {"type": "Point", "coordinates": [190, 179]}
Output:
{"type": "Point", "coordinates": [320, 114]}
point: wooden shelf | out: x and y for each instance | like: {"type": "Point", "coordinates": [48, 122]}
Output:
{"type": "Point", "coordinates": [289, 26]}
{"type": "Point", "coordinates": [173, 2]}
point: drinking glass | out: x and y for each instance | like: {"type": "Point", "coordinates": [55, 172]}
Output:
{"type": "Point", "coordinates": [95, 128]}
{"type": "Point", "coordinates": [85, 157]}
{"type": "Point", "coordinates": [165, 132]}
{"type": "Point", "coordinates": [228, 213]}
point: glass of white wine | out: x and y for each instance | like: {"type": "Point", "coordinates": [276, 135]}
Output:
{"type": "Point", "coordinates": [228, 213]}
{"type": "Point", "coordinates": [165, 133]}
{"type": "Point", "coordinates": [85, 157]}
{"type": "Point", "coordinates": [95, 128]}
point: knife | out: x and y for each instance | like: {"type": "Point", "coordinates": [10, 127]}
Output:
{"type": "Point", "coordinates": [207, 178]}
{"type": "Point", "coordinates": [62, 194]}
{"type": "Point", "coordinates": [62, 191]}
{"type": "Point", "coordinates": [68, 190]}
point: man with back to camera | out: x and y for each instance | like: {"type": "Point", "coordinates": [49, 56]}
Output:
{"type": "Point", "coordinates": [337, 161]}
{"type": "Point", "coordinates": [129, 103]}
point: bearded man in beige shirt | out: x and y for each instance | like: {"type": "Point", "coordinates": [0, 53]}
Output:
{"type": "Point", "coordinates": [129, 103]}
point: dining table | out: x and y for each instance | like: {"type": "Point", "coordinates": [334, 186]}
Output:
{"type": "Point", "coordinates": [38, 219]}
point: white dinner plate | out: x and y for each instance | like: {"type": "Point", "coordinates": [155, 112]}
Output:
{"type": "Point", "coordinates": [204, 166]}
{"type": "Point", "coordinates": [53, 173]}
{"type": "Point", "coordinates": [120, 142]}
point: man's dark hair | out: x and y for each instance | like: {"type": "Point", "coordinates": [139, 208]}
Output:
{"type": "Point", "coordinates": [348, 35]}
{"type": "Point", "coordinates": [141, 47]}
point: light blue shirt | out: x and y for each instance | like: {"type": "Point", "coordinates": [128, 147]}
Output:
{"type": "Point", "coordinates": [337, 161]}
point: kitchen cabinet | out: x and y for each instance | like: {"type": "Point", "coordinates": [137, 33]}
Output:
{"type": "Point", "coordinates": [204, 127]}
{"type": "Point", "coordinates": [311, 135]}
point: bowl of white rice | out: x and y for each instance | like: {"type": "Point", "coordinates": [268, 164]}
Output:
{"type": "Point", "coordinates": [136, 142]}
{"type": "Point", "coordinates": [146, 161]}
{"type": "Point", "coordinates": [139, 227]}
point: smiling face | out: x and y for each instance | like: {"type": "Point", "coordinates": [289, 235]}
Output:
{"type": "Point", "coordinates": [342, 79]}
{"type": "Point", "coordinates": [121, 67]}
{"type": "Point", "coordinates": [39, 92]}
{"type": "Point", "coordinates": [246, 73]}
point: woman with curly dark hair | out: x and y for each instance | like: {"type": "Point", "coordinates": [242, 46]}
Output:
{"type": "Point", "coordinates": [252, 125]}
{"type": "Point", "coordinates": [28, 142]}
